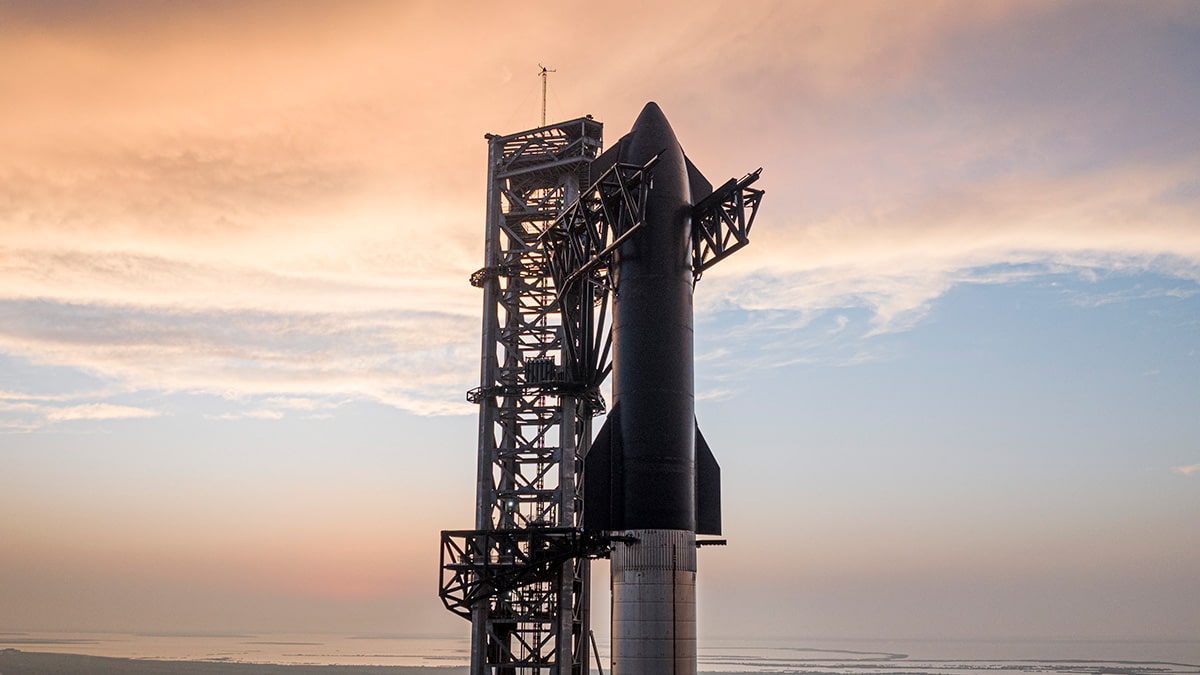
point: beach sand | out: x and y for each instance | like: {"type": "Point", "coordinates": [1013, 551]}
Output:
{"type": "Point", "coordinates": [17, 662]}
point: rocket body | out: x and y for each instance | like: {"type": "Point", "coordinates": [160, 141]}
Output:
{"type": "Point", "coordinates": [653, 380]}
{"type": "Point", "coordinates": [649, 475]}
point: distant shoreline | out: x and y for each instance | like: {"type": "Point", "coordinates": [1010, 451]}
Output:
{"type": "Point", "coordinates": [18, 662]}
{"type": "Point", "coordinates": [15, 661]}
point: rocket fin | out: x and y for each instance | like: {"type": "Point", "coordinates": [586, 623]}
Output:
{"type": "Point", "coordinates": [605, 161]}
{"type": "Point", "coordinates": [601, 497]}
{"type": "Point", "coordinates": [708, 488]}
{"type": "Point", "coordinates": [699, 186]}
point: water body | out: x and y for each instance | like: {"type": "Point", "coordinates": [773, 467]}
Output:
{"type": "Point", "coordinates": [283, 649]}
{"type": "Point", "coordinates": [829, 656]}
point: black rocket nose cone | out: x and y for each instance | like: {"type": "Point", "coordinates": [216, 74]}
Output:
{"type": "Point", "coordinates": [651, 116]}
{"type": "Point", "coordinates": [652, 132]}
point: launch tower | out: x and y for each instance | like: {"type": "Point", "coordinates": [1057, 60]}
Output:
{"type": "Point", "coordinates": [562, 220]}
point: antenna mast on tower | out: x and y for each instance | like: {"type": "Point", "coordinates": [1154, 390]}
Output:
{"type": "Point", "coordinates": [544, 74]}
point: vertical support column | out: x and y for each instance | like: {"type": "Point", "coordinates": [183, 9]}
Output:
{"type": "Point", "coordinates": [572, 595]}
{"type": "Point", "coordinates": [485, 496]}
{"type": "Point", "coordinates": [566, 518]}
{"type": "Point", "coordinates": [580, 569]}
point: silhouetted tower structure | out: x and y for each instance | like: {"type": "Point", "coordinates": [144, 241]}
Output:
{"type": "Point", "coordinates": [532, 431]}
{"type": "Point", "coordinates": [565, 227]}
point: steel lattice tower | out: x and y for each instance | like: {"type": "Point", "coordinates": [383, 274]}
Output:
{"type": "Point", "coordinates": [531, 438]}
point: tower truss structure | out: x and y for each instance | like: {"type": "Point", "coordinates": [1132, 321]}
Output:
{"type": "Point", "coordinates": [535, 417]}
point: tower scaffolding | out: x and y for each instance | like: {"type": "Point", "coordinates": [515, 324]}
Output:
{"type": "Point", "coordinates": [534, 419]}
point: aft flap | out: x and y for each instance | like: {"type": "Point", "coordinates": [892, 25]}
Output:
{"type": "Point", "coordinates": [708, 488]}
{"type": "Point", "coordinates": [699, 186]}
{"type": "Point", "coordinates": [601, 464]}
{"type": "Point", "coordinates": [605, 161]}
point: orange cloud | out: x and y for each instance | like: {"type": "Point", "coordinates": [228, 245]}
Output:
{"type": "Point", "coordinates": [171, 169]}
{"type": "Point", "coordinates": [896, 262]}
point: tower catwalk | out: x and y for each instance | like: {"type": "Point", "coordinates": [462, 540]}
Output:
{"type": "Point", "coordinates": [569, 232]}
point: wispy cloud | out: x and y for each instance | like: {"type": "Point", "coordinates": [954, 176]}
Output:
{"type": "Point", "coordinates": [715, 394]}
{"type": "Point", "coordinates": [21, 398]}
{"type": "Point", "coordinates": [98, 411]}
{"type": "Point", "coordinates": [420, 362]}
{"type": "Point", "coordinates": [1099, 299]}
{"type": "Point", "coordinates": [1187, 470]}
{"type": "Point", "coordinates": [302, 403]}
{"type": "Point", "coordinates": [250, 414]}
{"type": "Point", "coordinates": [28, 413]}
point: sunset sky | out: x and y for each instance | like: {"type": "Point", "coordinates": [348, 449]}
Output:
{"type": "Point", "coordinates": [953, 383]}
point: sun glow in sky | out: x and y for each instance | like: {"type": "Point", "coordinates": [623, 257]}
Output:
{"type": "Point", "coordinates": [954, 382]}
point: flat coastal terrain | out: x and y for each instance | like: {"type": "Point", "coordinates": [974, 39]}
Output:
{"type": "Point", "coordinates": [17, 662]}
